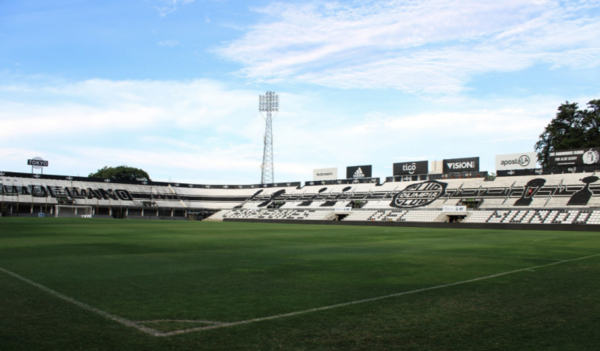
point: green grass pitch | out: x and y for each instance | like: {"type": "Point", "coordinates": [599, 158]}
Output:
{"type": "Point", "coordinates": [170, 277]}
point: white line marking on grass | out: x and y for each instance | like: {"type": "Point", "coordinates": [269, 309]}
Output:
{"type": "Point", "coordinates": [155, 332]}
{"type": "Point", "coordinates": [178, 320]}
{"type": "Point", "coordinates": [503, 257]}
{"type": "Point", "coordinates": [183, 331]}
{"type": "Point", "coordinates": [87, 307]}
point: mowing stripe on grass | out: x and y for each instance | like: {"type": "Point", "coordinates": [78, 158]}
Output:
{"type": "Point", "coordinates": [87, 307]}
{"type": "Point", "coordinates": [155, 332]}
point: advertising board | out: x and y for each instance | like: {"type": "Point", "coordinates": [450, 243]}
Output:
{"type": "Point", "coordinates": [359, 172]}
{"type": "Point", "coordinates": [454, 209]}
{"type": "Point", "coordinates": [523, 160]}
{"type": "Point", "coordinates": [522, 172]}
{"type": "Point", "coordinates": [325, 173]}
{"type": "Point", "coordinates": [575, 157]}
{"type": "Point", "coordinates": [411, 168]}
{"type": "Point", "coordinates": [465, 164]}
{"type": "Point", "coordinates": [343, 181]}
{"type": "Point", "coordinates": [37, 162]}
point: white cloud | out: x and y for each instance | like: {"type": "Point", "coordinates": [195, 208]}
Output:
{"type": "Point", "coordinates": [423, 46]}
{"type": "Point", "coordinates": [195, 131]}
{"type": "Point", "coordinates": [202, 131]}
{"type": "Point", "coordinates": [128, 105]}
{"type": "Point", "coordinates": [439, 134]}
{"type": "Point", "coordinates": [169, 6]}
{"type": "Point", "coordinates": [168, 43]}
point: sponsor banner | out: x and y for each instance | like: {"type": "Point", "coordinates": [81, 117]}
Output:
{"type": "Point", "coordinates": [572, 169]}
{"type": "Point", "coordinates": [466, 164]}
{"type": "Point", "coordinates": [37, 163]}
{"type": "Point", "coordinates": [576, 157]}
{"type": "Point", "coordinates": [325, 174]}
{"type": "Point", "coordinates": [342, 181]}
{"type": "Point", "coordinates": [519, 172]}
{"type": "Point", "coordinates": [454, 209]}
{"type": "Point", "coordinates": [343, 209]}
{"type": "Point", "coordinates": [407, 178]}
{"type": "Point", "coordinates": [359, 172]}
{"type": "Point", "coordinates": [523, 160]}
{"type": "Point", "coordinates": [411, 168]}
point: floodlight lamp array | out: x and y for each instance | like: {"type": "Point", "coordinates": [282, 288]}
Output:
{"type": "Point", "coordinates": [268, 102]}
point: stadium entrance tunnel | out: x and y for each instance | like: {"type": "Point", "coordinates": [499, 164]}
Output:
{"type": "Point", "coordinates": [118, 213]}
{"type": "Point", "coordinates": [200, 215]}
{"type": "Point", "coordinates": [340, 217]}
{"type": "Point", "coordinates": [455, 218]}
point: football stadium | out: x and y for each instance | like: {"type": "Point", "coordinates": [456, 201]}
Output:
{"type": "Point", "coordinates": [417, 189]}
{"type": "Point", "coordinates": [423, 260]}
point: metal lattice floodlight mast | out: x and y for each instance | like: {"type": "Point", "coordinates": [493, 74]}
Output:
{"type": "Point", "coordinates": [267, 104]}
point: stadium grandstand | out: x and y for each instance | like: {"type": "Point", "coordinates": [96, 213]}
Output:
{"type": "Point", "coordinates": [540, 198]}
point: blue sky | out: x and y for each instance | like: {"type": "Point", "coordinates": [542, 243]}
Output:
{"type": "Point", "coordinates": [172, 86]}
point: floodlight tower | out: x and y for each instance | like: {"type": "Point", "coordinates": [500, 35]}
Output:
{"type": "Point", "coordinates": [267, 104]}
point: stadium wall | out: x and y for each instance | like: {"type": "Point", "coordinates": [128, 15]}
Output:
{"type": "Point", "coordinates": [552, 227]}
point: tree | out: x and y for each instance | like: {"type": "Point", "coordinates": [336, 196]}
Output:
{"type": "Point", "coordinates": [572, 128]}
{"type": "Point", "coordinates": [591, 119]}
{"type": "Point", "coordinates": [121, 173]}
